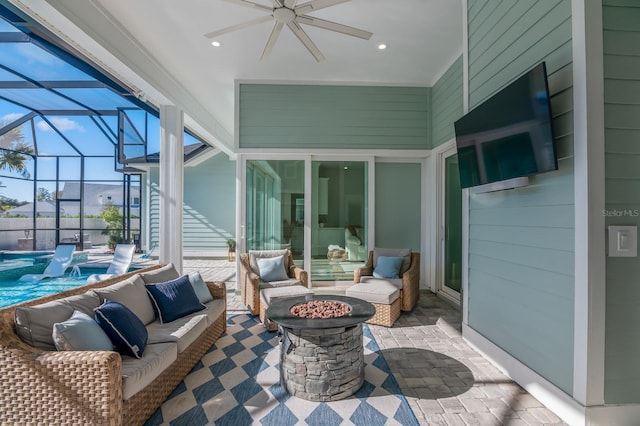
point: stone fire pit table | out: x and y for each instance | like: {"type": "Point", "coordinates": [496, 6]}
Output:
{"type": "Point", "coordinates": [321, 359]}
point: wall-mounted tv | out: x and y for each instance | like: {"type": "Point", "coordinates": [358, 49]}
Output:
{"type": "Point", "coordinates": [509, 135]}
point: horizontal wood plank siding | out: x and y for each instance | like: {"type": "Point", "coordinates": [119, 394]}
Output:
{"type": "Point", "coordinates": [446, 104]}
{"type": "Point", "coordinates": [333, 117]}
{"type": "Point", "coordinates": [521, 241]}
{"type": "Point", "coordinates": [621, 38]}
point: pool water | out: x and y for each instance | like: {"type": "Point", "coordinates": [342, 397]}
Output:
{"type": "Point", "coordinates": [13, 292]}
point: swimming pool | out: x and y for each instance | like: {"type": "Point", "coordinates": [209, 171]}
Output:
{"type": "Point", "coordinates": [13, 265]}
{"type": "Point", "coordinates": [13, 291]}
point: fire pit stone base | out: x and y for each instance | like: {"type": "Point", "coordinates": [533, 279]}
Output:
{"type": "Point", "coordinates": [324, 364]}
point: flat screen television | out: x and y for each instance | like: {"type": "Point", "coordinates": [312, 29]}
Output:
{"type": "Point", "coordinates": [509, 135]}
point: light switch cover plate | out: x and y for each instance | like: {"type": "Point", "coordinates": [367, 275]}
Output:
{"type": "Point", "coordinates": [623, 241]}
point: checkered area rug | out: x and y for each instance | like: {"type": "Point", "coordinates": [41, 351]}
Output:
{"type": "Point", "coordinates": [238, 383]}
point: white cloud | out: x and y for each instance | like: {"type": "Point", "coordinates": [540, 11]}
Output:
{"type": "Point", "coordinates": [8, 118]}
{"type": "Point", "coordinates": [62, 124]}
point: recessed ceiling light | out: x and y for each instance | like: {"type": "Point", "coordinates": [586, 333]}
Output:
{"type": "Point", "coordinates": [382, 46]}
{"type": "Point", "coordinates": [215, 43]}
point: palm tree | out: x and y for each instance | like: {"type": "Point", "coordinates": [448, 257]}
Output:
{"type": "Point", "coordinates": [13, 151]}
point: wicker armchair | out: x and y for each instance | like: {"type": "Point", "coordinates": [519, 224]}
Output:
{"type": "Point", "coordinates": [410, 291]}
{"type": "Point", "coordinates": [250, 280]}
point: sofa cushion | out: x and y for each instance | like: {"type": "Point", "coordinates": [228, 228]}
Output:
{"type": "Point", "coordinates": [183, 331]}
{"type": "Point", "coordinates": [283, 283]}
{"type": "Point", "coordinates": [254, 255]}
{"type": "Point", "coordinates": [381, 292]}
{"type": "Point", "coordinates": [388, 267]}
{"type": "Point", "coordinates": [214, 310]}
{"type": "Point", "coordinates": [200, 287]}
{"type": "Point", "coordinates": [397, 282]}
{"type": "Point", "coordinates": [167, 273]}
{"type": "Point", "coordinates": [124, 328]}
{"type": "Point", "coordinates": [272, 269]}
{"type": "Point", "coordinates": [271, 295]}
{"type": "Point", "coordinates": [132, 294]}
{"type": "Point", "coordinates": [80, 333]}
{"type": "Point", "coordinates": [174, 299]}
{"type": "Point", "coordinates": [34, 324]}
{"type": "Point", "coordinates": [137, 374]}
{"type": "Point", "coordinates": [394, 252]}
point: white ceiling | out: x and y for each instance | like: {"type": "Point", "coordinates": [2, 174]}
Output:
{"type": "Point", "coordinates": [159, 46]}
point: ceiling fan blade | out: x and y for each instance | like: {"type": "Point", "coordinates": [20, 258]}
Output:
{"type": "Point", "coordinates": [275, 33]}
{"type": "Point", "coordinates": [316, 5]}
{"type": "Point", "coordinates": [334, 26]}
{"type": "Point", "coordinates": [277, 3]}
{"type": "Point", "coordinates": [239, 26]}
{"type": "Point", "coordinates": [251, 4]}
{"type": "Point", "coordinates": [304, 38]}
{"type": "Point", "coordinates": [289, 3]}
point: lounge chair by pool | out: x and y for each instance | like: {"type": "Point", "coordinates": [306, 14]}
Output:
{"type": "Point", "coordinates": [62, 258]}
{"type": "Point", "coordinates": [122, 258]}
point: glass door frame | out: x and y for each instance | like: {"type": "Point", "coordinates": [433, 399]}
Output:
{"type": "Point", "coordinates": [441, 287]}
{"type": "Point", "coordinates": [308, 158]}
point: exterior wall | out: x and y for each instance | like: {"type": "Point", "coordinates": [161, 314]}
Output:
{"type": "Point", "coordinates": [209, 206]}
{"type": "Point", "coordinates": [621, 24]}
{"type": "Point", "coordinates": [397, 224]}
{"type": "Point", "coordinates": [446, 104]}
{"type": "Point", "coordinates": [333, 117]}
{"type": "Point", "coordinates": [521, 241]}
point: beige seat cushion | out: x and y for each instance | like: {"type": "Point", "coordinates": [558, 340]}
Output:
{"type": "Point", "coordinates": [271, 295]}
{"type": "Point", "coordinates": [215, 308]}
{"type": "Point", "coordinates": [283, 283]}
{"type": "Point", "coordinates": [161, 275]}
{"type": "Point", "coordinates": [137, 374]}
{"type": "Point", "coordinates": [183, 331]}
{"type": "Point", "coordinates": [34, 324]}
{"type": "Point", "coordinates": [382, 293]}
{"type": "Point", "coordinates": [396, 282]}
{"type": "Point", "coordinates": [131, 293]}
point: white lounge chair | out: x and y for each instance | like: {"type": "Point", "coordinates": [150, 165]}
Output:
{"type": "Point", "coordinates": [122, 257]}
{"type": "Point", "coordinates": [62, 258]}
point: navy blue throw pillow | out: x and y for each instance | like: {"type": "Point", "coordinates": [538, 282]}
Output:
{"type": "Point", "coordinates": [174, 299]}
{"type": "Point", "coordinates": [125, 330]}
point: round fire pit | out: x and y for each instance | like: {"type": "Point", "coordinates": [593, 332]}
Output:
{"type": "Point", "coordinates": [321, 359]}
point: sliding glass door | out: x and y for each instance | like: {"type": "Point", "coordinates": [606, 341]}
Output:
{"type": "Point", "coordinates": [274, 206]}
{"type": "Point", "coordinates": [452, 227]}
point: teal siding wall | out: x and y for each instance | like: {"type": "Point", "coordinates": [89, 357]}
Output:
{"type": "Point", "coordinates": [208, 209]}
{"type": "Point", "coordinates": [397, 224]}
{"type": "Point", "coordinates": [521, 254]}
{"type": "Point", "coordinates": [446, 104]}
{"type": "Point", "coordinates": [334, 117]}
{"type": "Point", "coordinates": [621, 24]}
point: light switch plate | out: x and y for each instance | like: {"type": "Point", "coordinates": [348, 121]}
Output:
{"type": "Point", "coordinates": [623, 241]}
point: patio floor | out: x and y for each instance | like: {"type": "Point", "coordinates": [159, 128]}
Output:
{"type": "Point", "coordinates": [445, 381]}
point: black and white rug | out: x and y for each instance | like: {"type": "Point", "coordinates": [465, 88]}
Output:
{"type": "Point", "coordinates": [238, 383]}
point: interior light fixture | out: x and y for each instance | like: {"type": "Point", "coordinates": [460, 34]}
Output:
{"type": "Point", "coordinates": [382, 46]}
{"type": "Point", "coordinates": [215, 43]}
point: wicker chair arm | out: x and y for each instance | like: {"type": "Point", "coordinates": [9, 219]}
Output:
{"type": "Point", "coordinates": [75, 387]}
{"type": "Point", "coordinates": [361, 272]}
{"type": "Point", "coordinates": [301, 275]}
{"type": "Point", "coordinates": [218, 290]}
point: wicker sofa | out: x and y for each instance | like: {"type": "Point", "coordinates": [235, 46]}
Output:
{"type": "Point", "coordinates": [86, 387]}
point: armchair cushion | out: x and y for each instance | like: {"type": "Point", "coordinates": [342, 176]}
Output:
{"type": "Point", "coordinates": [254, 255]}
{"type": "Point", "coordinates": [282, 283]}
{"type": "Point", "coordinates": [387, 267]}
{"type": "Point", "coordinates": [272, 269]}
{"type": "Point", "coordinates": [393, 252]}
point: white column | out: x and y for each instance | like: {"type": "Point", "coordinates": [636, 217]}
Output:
{"type": "Point", "coordinates": [171, 184]}
{"type": "Point", "coordinates": [590, 278]}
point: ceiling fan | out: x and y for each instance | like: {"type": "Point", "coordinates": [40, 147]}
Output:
{"type": "Point", "coordinates": [286, 12]}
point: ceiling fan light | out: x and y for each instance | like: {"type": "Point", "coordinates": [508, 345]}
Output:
{"type": "Point", "coordinates": [215, 43]}
{"type": "Point", "coordinates": [382, 46]}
